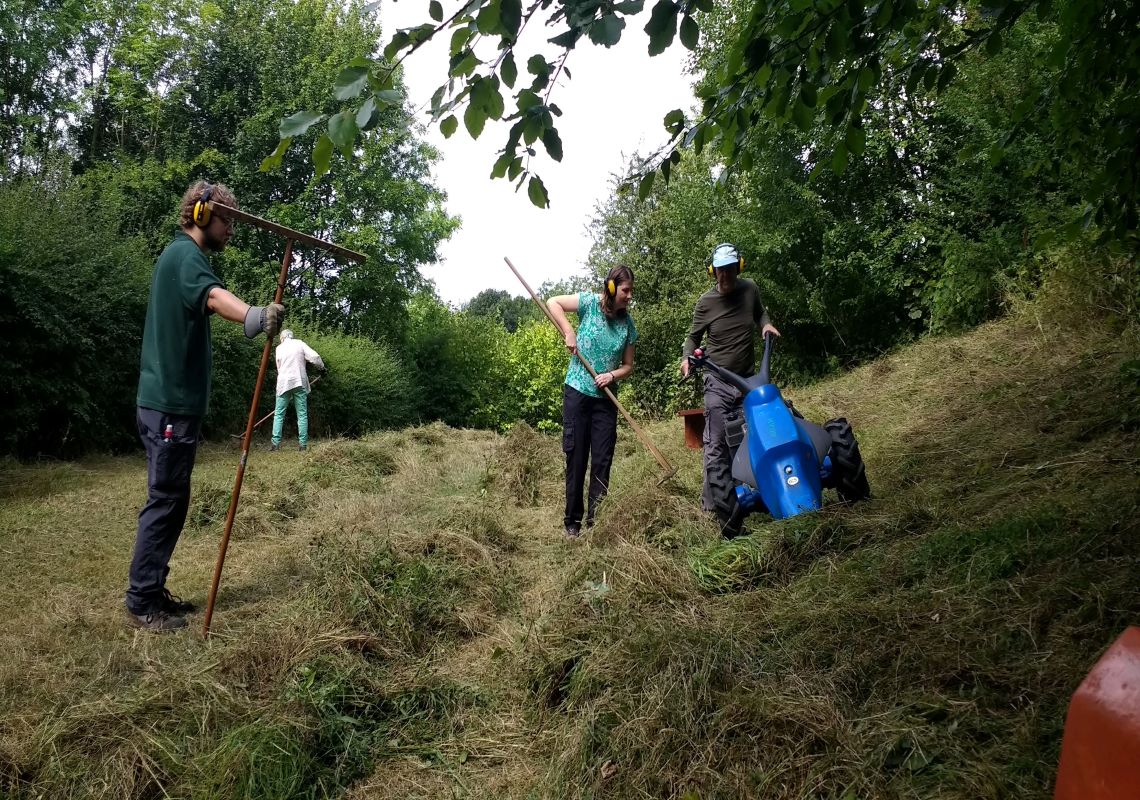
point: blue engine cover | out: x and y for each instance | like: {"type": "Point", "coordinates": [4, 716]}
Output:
{"type": "Point", "coordinates": [782, 456]}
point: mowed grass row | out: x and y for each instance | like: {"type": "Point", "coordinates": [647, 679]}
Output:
{"type": "Point", "coordinates": [400, 617]}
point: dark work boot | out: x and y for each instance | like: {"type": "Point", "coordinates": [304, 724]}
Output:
{"type": "Point", "coordinates": [157, 621]}
{"type": "Point", "coordinates": [173, 604]}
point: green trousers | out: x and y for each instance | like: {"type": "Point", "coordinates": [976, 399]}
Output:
{"type": "Point", "coordinates": [300, 400]}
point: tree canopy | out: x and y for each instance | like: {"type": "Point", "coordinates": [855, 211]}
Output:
{"type": "Point", "coordinates": [815, 65]}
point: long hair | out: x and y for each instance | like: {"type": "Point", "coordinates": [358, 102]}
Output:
{"type": "Point", "coordinates": [619, 275]}
{"type": "Point", "coordinates": [219, 192]}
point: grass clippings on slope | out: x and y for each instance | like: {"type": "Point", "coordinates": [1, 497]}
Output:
{"type": "Point", "coordinates": [401, 617]}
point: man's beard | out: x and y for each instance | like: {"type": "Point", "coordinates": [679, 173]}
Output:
{"type": "Point", "coordinates": [214, 243]}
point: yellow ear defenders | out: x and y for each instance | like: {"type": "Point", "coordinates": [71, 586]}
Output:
{"type": "Point", "coordinates": [611, 284]}
{"type": "Point", "coordinates": [202, 210]}
{"type": "Point", "coordinates": [722, 256]}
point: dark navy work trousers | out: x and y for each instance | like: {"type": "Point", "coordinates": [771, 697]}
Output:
{"type": "Point", "coordinates": [170, 460]}
{"type": "Point", "coordinates": [589, 433]}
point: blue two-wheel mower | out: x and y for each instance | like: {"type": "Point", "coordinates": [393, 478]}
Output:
{"type": "Point", "coordinates": [781, 462]}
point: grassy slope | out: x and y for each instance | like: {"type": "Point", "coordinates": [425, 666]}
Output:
{"type": "Point", "coordinates": [400, 617]}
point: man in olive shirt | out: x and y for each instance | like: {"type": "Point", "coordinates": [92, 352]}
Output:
{"type": "Point", "coordinates": [174, 392]}
{"type": "Point", "coordinates": [729, 314]}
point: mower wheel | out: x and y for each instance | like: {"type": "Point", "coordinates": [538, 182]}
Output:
{"type": "Point", "coordinates": [723, 490]}
{"type": "Point", "coordinates": [847, 470]}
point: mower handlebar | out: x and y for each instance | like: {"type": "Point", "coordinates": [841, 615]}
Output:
{"type": "Point", "coordinates": [698, 360]}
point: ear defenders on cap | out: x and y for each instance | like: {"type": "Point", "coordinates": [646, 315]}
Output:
{"type": "Point", "coordinates": [202, 210]}
{"type": "Point", "coordinates": [722, 256]}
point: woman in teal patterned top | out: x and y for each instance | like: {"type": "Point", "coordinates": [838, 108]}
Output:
{"type": "Point", "coordinates": [605, 338]}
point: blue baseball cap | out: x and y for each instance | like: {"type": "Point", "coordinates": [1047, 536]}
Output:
{"type": "Point", "coordinates": [725, 255]}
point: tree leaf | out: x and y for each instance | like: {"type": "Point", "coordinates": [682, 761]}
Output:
{"type": "Point", "coordinates": [645, 185]}
{"type": "Point", "coordinates": [945, 75]}
{"type": "Point", "coordinates": [299, 123]}
{"type": "Point", "coordinates": [994, 43]}
{"type": "Point", "coordinates": [690, 32]}
{"type": "Point", "coordinates": [488, 21]}
{"type": "Point", "coordinates": [528, 100]}
{"type": "Point", "coordinates": [273, 160]}
{"type": "Point", "coordinates": [389, 97]}
{"type": "Point", "coordinates": [662, 26]}
{"type": "Point", "coordinates": [400, 40]}
{"type": "Point", "coordinates": [368, 115]}
{"type": "Point", "coordinates": [537, 65]}
{"type": "Point", "coordinates": [435, 10]}
{"type": "Point", "coordinates": [343, 130]}
{"type": "Point", "coordinates": [566, 39]}
{"type": "Point", "coordinates": [474, 118]}
{"type": "Point", "coordinates": [607, 30]}
{"type": "Point", "coordinates": [493, 103]}
{"type": "Point", "coordinates": [350, 83]}
{"type": "Point", "coordinates": [856, 140]}
{"type": "Point", "coordinates": [537, 192]}
{"type": "Point", "coordinates": [839, 159]}
{"type": "Point", "coordinates": [553, 143]}
{"type": "Point", "coordinates": [499, 170]}
{"type": "Point", "coordinates": [510, 15]}
{"type": "Point", "coordinates": [508, 70]}
{"type": "Point", "coordinates": [803, 115]}
{"type": "Point", "coordinates": [449, 125]}
{"type": "Point", "coordinates": [464, 64]}
{"type": "Point", "coordinates": [322, 155]}
{"type": "Point", "coordinates": [459, 40]}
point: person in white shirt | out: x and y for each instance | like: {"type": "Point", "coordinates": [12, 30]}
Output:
{"type": "Point", "coordinates": [293, 385]}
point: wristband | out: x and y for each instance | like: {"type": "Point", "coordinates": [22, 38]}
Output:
{"type": "Point", "coordinates": [254, 321]}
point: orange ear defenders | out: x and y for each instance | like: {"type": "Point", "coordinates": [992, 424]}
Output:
{"type": "Point", "coordinates": [202, 210]}
{"type": "Point", "coordinates": [722, 256]}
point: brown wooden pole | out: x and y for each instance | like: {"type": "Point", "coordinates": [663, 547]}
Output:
{"type": "Point", "coordinates": [245, 448]}
{"type": "Point", "coordinates": [670, 470]}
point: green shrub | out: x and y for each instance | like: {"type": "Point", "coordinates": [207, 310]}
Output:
{"type": "Point", "coordinates": [365, 389]}
{"type": "Point", "coordinates": [71, 321]}
{"type": "Point", "coordinates": [536, 362]}
{"type": "Point", "coordinates": [462, 374]}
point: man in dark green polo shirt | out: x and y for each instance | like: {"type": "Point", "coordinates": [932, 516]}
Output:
{"type": "Point", "coordinates": [174, 391]}
{"type": "Point", "coordinates": [729, 315]}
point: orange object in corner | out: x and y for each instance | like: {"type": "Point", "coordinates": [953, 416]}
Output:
{"type": "Point", "coordinates": [1100, 751]}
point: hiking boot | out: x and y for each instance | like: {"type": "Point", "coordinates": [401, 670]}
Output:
{"type": "Point", "coordinates": [156, 621]}
{"type": "Point", "coordinates": [272, 448]}
{"type": "Point", "coordinates": [573, 531]}
{"type": "Point", "coordinates": [173, 604]}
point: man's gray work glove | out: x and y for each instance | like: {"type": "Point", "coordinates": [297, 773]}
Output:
{"type": "Point", "coordinates": [264, 318]}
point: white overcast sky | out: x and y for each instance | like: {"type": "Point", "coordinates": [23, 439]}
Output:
{"type": "Point", "coordinates": [612, 106]}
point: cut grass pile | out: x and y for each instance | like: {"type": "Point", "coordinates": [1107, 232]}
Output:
{"type": "Point", "coordinates": [400, 616]}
